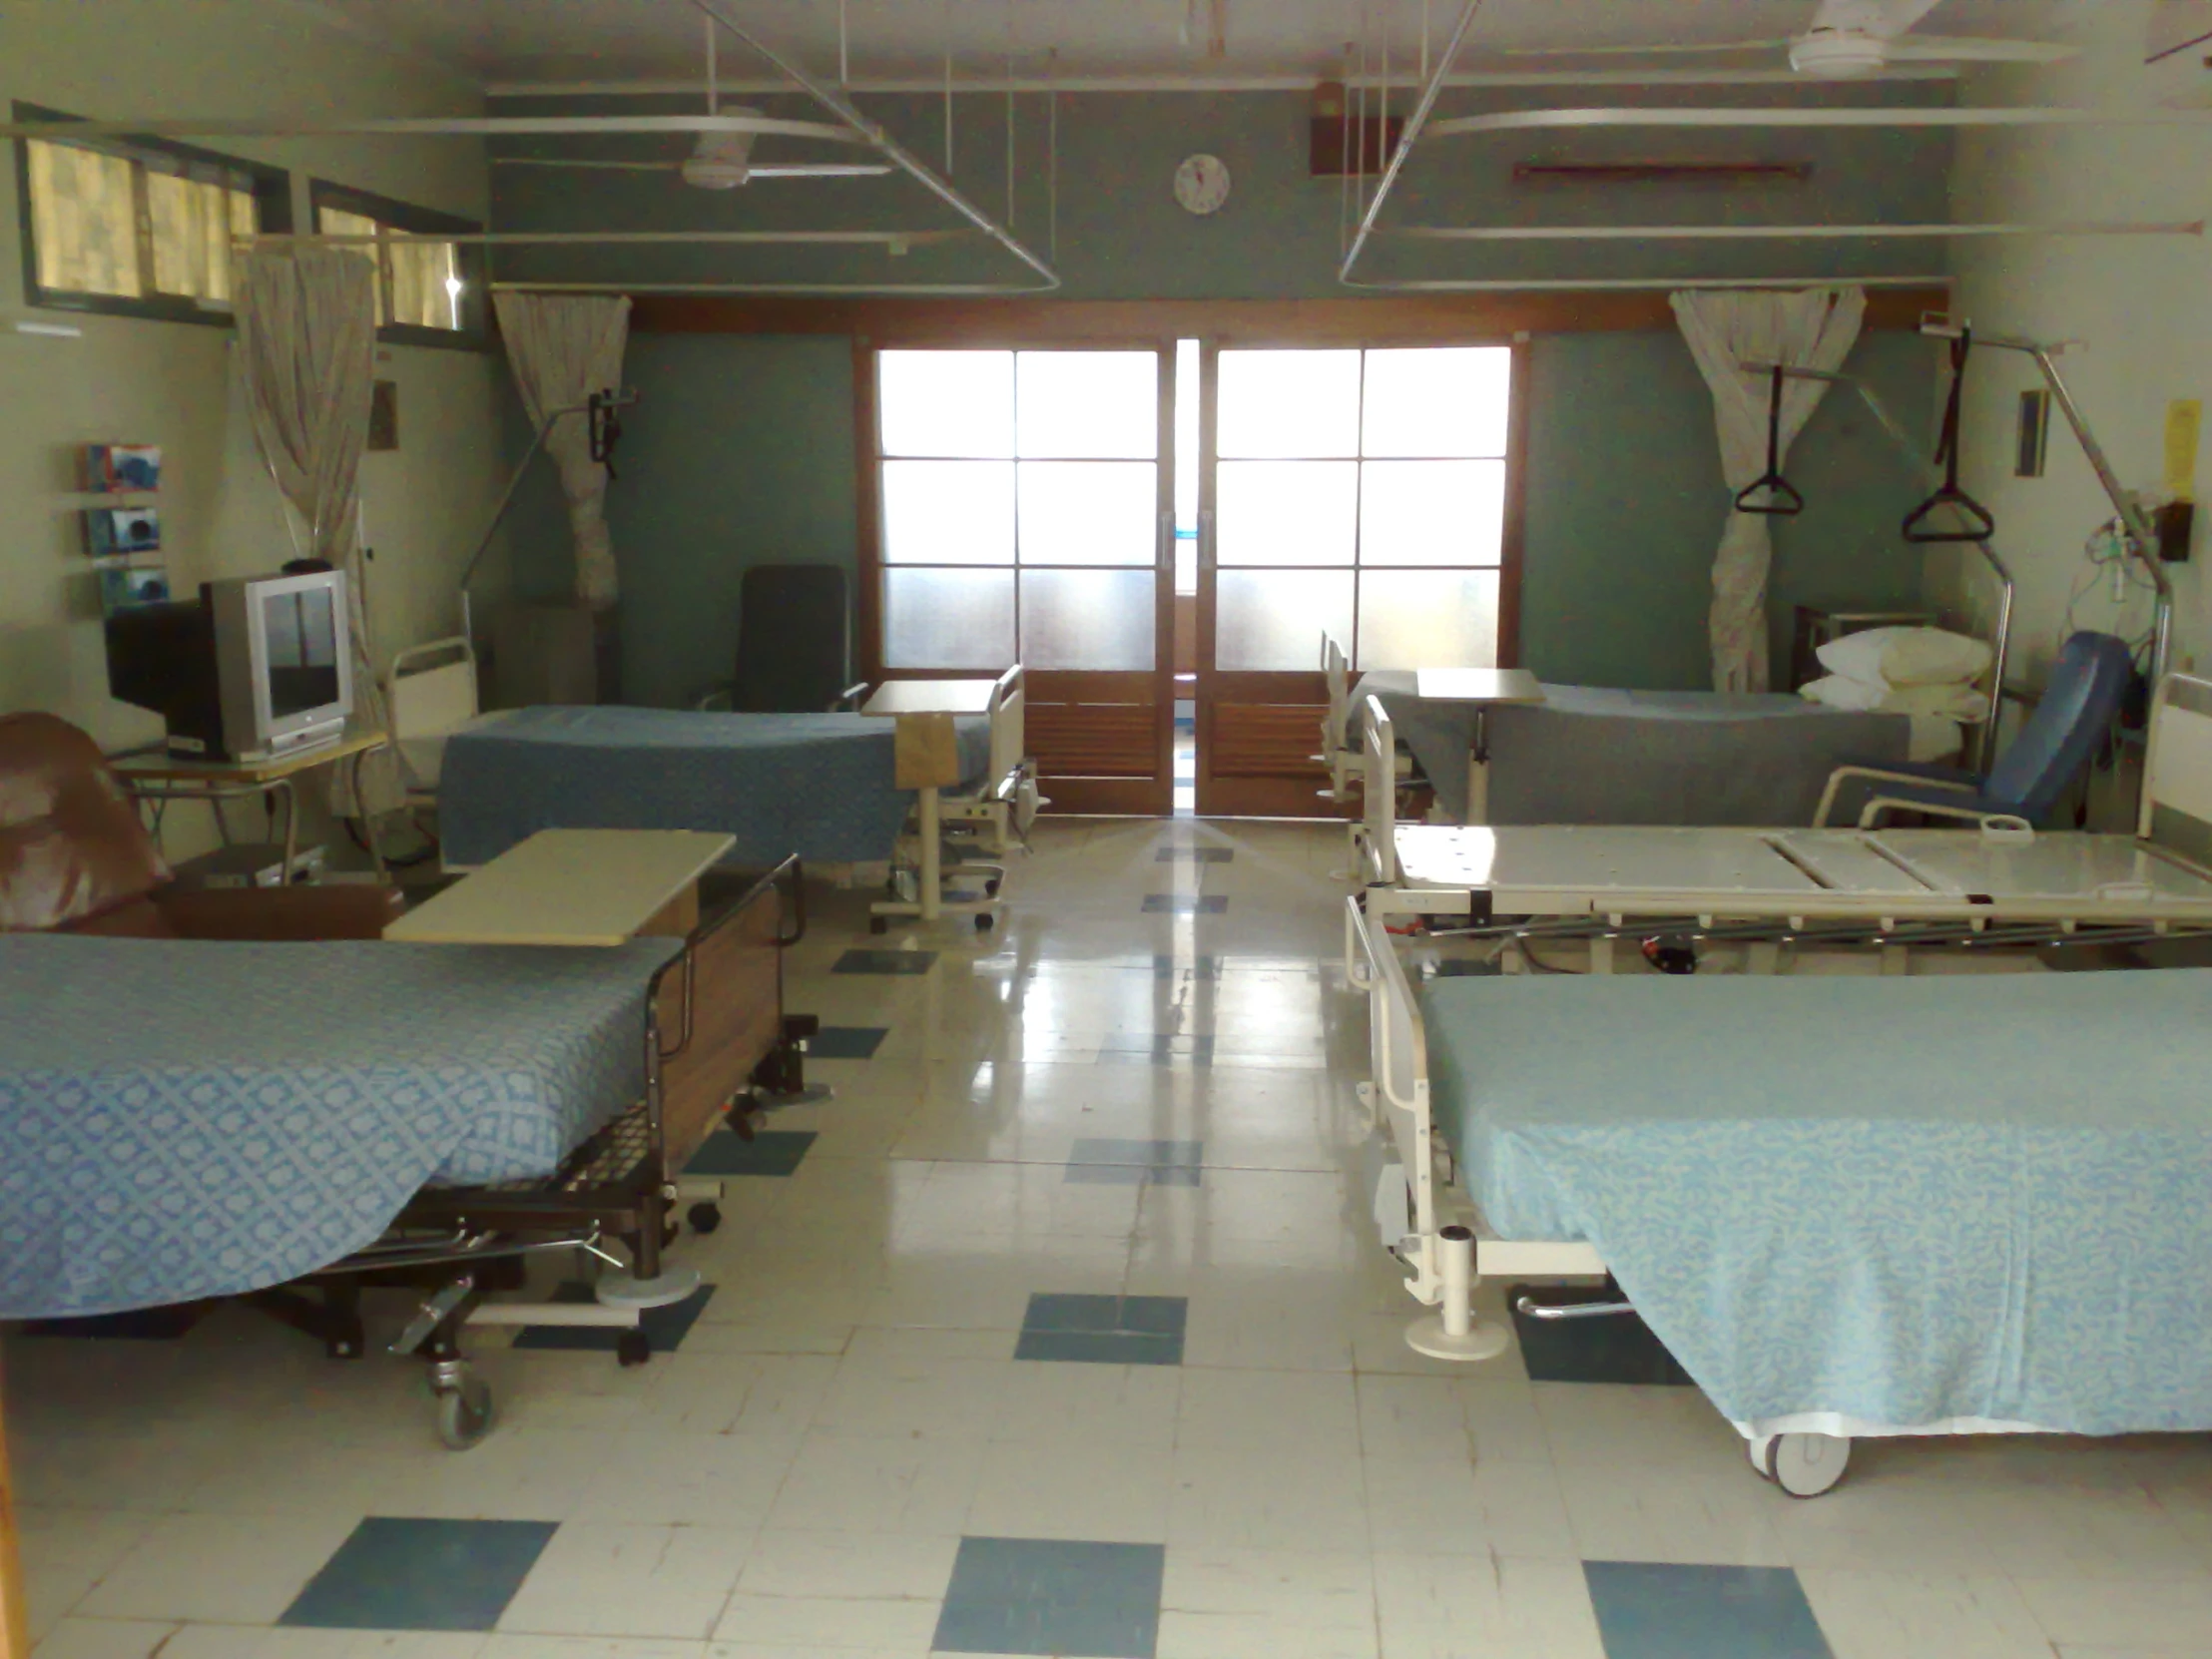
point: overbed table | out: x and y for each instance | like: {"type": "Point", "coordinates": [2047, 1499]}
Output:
{"type": "Point", "coordinates": [1481, 689]}
{"type": "Point", "coordinates": [573, 887]}
{"type": "Point", "coordinates": [927, 758]}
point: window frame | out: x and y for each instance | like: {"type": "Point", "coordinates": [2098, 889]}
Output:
{"type": "Point", "coordinates": [271, 187]}
{"type": "Point", "coordinates": [474, 334]}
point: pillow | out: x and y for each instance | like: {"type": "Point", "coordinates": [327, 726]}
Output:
{"type": "Point", "coordinates": [1931, 657]}
{"type": "Point", "coordinates": [1857, 656]}
{"type": "Point", "coordinates": [1960, 702]}
{"type": "Point", "coordinates": [1840, 691]}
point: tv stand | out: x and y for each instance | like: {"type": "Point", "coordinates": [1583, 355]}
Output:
{"type": "Point", "coordinates": [157, 774]}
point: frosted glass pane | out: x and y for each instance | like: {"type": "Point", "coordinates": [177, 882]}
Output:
{"type": "Point", "coordinates": [1431, 512]}
{"type": "Point", "coordinates": [1186, 433]}
{"type": "Point", "coordinates": [1090, 512]}
{"type": "Point", "coordinates": [948, 512]}
{"type": "Point", "coordinates": [1438, 400]}
{"type": "Point", "coordinates": [1427, 619]}
{"type": "Point", "coordinates": [1094, 619]}
{"type": "Point", "coordinates": [1284, 403]}
{"type": "Point", "coordinates": [946, 403]}
{"type": "Point", "coordinates": [949, 619]}
{"type": "Point", "coordinates": [1087, 404]}
{"type": "Point", "coordinates": [1273, 619]}
{"type": "Point", "coordinates": [1286, 512]}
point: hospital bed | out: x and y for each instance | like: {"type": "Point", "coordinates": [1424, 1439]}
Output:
{"type": "Point", "coordinates": [1847, 1207]}
{"type": "Point", "coordinates": [818, 785]}
{"type": "Point", "coordinates": [2000, 883]}
{"type": "Point", "coordinates": [182, 1120]}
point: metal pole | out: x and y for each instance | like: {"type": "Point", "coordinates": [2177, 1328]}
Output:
{"type": "Point", "coordinates": [873, 134]}
{"type": "Point", "coordinates": [1414, 126]}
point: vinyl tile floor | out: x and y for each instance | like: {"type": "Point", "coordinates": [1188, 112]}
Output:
{"type": "Point", "coordinates": [1059, 1330]}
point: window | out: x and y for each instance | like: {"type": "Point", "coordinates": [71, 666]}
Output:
{"type": "Point", "coordinates": [1020, 502]}
{"type": "Point", "coordinates": [142, 226]}
{"type": "Point", "coordinates": [1363, 491]}
{"type": "Point", "coordinates": [429, 291]}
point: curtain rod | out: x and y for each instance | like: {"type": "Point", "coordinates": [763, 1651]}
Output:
{"type": "Point", "coordinates": [1695, 233]}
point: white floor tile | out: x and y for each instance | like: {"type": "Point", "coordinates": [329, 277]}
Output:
{"type": "Point", "coordinates": [234, 1569]}
{"type": "Point", "coordinates": [604, 1580]}
{"type": "Point", "coordinates": [2121, 1613]}
{"type": "Point", "coordinates": [587, 1647]}
{"type": "Point", "coordinates": [102, 1639]}
{"type": "Point", "coordinates": [1658, 1513]}
{"type": "Point", "coordinates": [1440, 1507]}
{"type": "Point", "coordinates": [724, 1480]}
{"type": "Point", "coordinates": [1306, 1413]}
{"type": "Point", "coordinates": [1444, 1607]}
{"type": "Point", "coordinates": [1047, 1402]}
{"type": "Point", "coordinates": [1883, 1615]}
{"type": "Point", "coordinates": [215, 1642]}
{"type": "Point", "coordinates": [802, 1623]}
{"type": "Point", "coordinates": [1240, 1498]}
{"type": "Point", "coordinates": [862, 1566]}
{"type": "Point", "coordinates": [848, 1483]}
{"type": "Point", "coordinates": [1107, 1491]}
{"type": "Point", "coordinates": [65, 1552]}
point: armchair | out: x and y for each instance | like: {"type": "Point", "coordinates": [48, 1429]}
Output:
{"type": "Point", "coordinates": [75, 859]}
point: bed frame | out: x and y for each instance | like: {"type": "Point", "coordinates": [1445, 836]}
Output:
{"type": "Point", "coordinates": [716, 1042]}
{"type": "Point", "coordinates": [1893, 890]}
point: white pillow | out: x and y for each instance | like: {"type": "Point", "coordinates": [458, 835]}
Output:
{"type": "Point", "coordinates": [1840, 691]}
{"type": "Point", "coordinates": [1859, 656]}
{"type": "Point", "coordinates": [1960, 702]}
{"type": "Point", "coordinates": [1931, 657]}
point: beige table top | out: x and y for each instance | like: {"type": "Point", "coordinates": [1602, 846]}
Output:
{"type": "Point", "coordinates": [1477, 685]}
{"type": "Point", "coordinates": [565, 887]}
{"type": "Point", "coordinates": [160, 766]}
{"type": "Point", "coordinates": [931, 697]}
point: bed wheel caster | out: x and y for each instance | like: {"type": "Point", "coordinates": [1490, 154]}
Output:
{"type": "Point", "coordinates": [705, 1218]}
{"type": "Point", "coordinates": [1804, 1465]}
{"type": "Point", "coordinates": [633, 1347]}
{"type": "Point", "coordinates": [878, 924]}
{"type": "Point", "coordinates": [464, 1411]}
{"type": "Point", "coordinates": [983, 922]}
{"type": "Point", "coordinates": [990, 887]}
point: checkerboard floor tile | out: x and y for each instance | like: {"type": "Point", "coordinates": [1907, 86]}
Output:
{"type": "Point", "coordinates": [1186, 903]}
{"type": "Point", "coordinates": [1104, 1330]}
{"type": "Point", "coordinates": [1659, 1610]}
{"type": "Point", "coordinates": [847, 1042]}
{"type": "Point", "coordinates": [1050, 1596]}
{"type": "Point", "coordinates": [402, 1573]}
{"type": "Point", "coordinates": [864, 960]}
{"type": "Point", "coordinates": [769, 1152]}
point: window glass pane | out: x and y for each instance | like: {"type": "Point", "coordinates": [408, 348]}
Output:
{"type": "Point", "coordinates": [946, 403]}
{"type": "Point", "coordinates": [1273, 619]}
{"type": "Point", "coordinates": [1087, 619]}
{"type": "Point", "coordinates": [84, 220]}
{"type": "Point", "coordinates": [425, 284]}
{"type": "Point", "coordinates": [1431, 512]}
{"type": "Point", "coordinates": [1087, 403]}
{"type": "Point", "coordinates": [336, 221]}
{"type": "Point", "coordinates": [1288, 403]}
{"type": "Point", "coordinates": [1089, 512]}
{"type": "Point", "coordinates": [948, 512]}
{"type": "Point", "coordinates": [949, 619]}
{"type": "Point", "coordinates": [1427, 619]}
{"type": "Point", "coordinates": [1438, 400]}
{"type": "Point", "coordinates": [193, 224]}
{"type": "Point", "coordinates": [1186, 435]}
{"type": "Point", "coordinates": [1286, 512]}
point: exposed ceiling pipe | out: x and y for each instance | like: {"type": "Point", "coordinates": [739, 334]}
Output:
{"type": "Point", "coordinates": [488, 126]}
{"type": "Point", "coordinates": [1506, 121]}
{"type": "Point", "coordinates": [1722, 233]}
{"type": "Point", "coordinates": [1302, 82]}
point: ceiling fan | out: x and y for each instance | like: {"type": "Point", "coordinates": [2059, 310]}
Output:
{"type": "Point", "coordinates": [1850, 39]}
{"type": "Point", "coordinates": [719, 160]}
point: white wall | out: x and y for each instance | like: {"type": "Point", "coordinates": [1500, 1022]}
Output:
{"type": "Point", "coordinates": [2143, 305]}
{"type": "Point", "coordinates": [172, 383]}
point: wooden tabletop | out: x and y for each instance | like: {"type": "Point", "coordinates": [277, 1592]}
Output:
{"type": "Point", "coordinates": [567, 886]}
{"type": "Point", "coordinates": [1477, 685]}
{"type": "Point", "coordinates": [931, 697]}
{"type": "Point", "coordinates": [160, 766]}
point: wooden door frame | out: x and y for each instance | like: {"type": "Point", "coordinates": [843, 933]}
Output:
{"type": "Point", "coordinates": [1301, 793]}
{"type": "Point", "coordinates": [1116, 795]}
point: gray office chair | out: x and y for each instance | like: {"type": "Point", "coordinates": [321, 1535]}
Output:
{"type": "Point", "coordinates": [794, 643]}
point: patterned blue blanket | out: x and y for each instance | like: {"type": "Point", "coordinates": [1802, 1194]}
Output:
{"type": "Point", "coordinates": [1901, 1200]}
{"type": "Point", "coordinates": [819, 785]}
{"type": "Point", "coordinates": [182, 1119]}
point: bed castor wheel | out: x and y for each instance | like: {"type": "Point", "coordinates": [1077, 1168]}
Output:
{"type": "Point", "coordinates": [1804, 1465]}
{"type": "Point", "coordinates": [633, 1347]}
{"type": "Point", "coordinates": [1671, 955]}
{"type": "Point", "coordinates": [464, 1412]}
{"type": "Point", "coordinates": [983, 922]}
{"type": "Point", "coordinates": [705, 1218]}
{"type": "Point", "coordinates": [879, 924]}
{"type": "Point", "coordinates": [990, 887]}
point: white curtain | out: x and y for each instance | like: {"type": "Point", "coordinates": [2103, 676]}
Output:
{"type": "Point", "coordinates": [1726, 328]}
{"type": "Point", "coordinates": [306, 324]}
{"type": "Point", "coordinates": [563, 349]}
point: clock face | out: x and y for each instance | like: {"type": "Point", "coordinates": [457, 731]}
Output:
{"type": "Point", "coordinates": [1201, 184]}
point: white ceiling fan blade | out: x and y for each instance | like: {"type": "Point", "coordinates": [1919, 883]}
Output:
{"type": "Point", "coordinates": [818, 170]}
{"type": "Point", "coordinates": [1879, 19]}
{"type": "Point", "coordinates": [1954, 49]}
{"type": "Point", "coordinates": [1772, 45]}
{"type": "Point", "coordinates": [604, 167]}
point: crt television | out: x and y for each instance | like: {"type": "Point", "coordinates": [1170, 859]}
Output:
{"type": "Point", "coordinates": [256, 667]}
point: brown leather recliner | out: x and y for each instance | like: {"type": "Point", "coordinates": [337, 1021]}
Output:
{"type": "Point", "coordinates": [75, 859]}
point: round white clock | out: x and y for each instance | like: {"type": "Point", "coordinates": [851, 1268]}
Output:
{"type": "Point", "coordinates": [1201, 184]}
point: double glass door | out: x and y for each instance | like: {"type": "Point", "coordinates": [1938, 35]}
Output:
{"type": "Point", "coordinates": [1026, 510]}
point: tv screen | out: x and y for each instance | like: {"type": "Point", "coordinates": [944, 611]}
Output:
{"type": "Point", "coordinates": [303, 634]}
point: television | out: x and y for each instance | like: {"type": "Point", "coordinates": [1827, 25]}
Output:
{"type": "Point", "coordinates": [255, 668]}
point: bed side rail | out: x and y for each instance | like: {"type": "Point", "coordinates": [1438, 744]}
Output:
{"type": "Point", "coordinates": [1377, 837]}
{"type": "Point", "coordinates": [2176, 812]}
{"type": "Point", "coordinates": [431, 697]}
{"type": "Point", "coordinates": [1341, 758]}
{"type": "Point", "coordinates": [1398, 1095]}
{"type": "Point", "coordinates": [1009, 734]}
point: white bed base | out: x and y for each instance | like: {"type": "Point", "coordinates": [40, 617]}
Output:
{"type": "Point", "coordinates": [1448, 1249]}
{"type": "Point", "coordinates": [1894, 888]}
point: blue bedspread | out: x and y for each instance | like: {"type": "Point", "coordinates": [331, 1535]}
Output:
{"type": "Point", "coordinates": [1901, 1200]}
{"type": "Point", "coordinates": [819, 785]}
{"type": "Point", "coordinates": [186, 1119]}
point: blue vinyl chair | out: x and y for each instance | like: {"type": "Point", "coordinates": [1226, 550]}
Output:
{"type": "Point", "coordinates": [2076, 711]}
